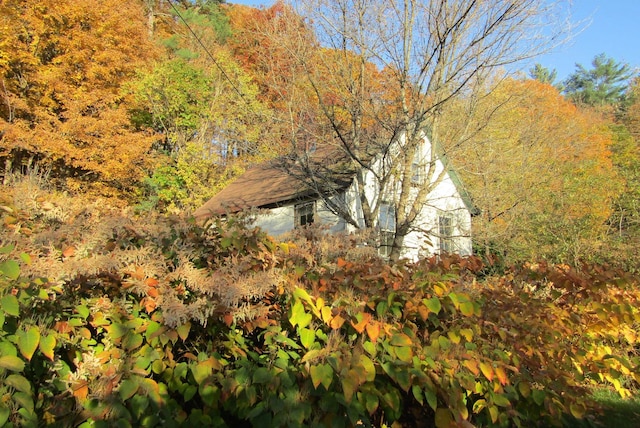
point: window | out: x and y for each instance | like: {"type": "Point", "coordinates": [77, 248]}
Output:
{"type": "Point", "coordinates": [445, 234]}
{"type": "Point", "coordinates": [387, 226]}
{"type": "Point", "coordinates": [304, 213]}
{"type": "Point", "coordinates": [418, 168]}
{"type": "Point", "coordinates": [416, 173]}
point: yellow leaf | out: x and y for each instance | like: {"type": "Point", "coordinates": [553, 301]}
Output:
{"type": "Point", "coordinates": [487, 371]}
{"type": "Point", "coordinates": [472, 366]}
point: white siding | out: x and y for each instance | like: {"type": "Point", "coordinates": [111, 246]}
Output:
{"type": "Point", "coordinates": [423, 241]}
{"type": "Point", "coordinates": [276, 221]}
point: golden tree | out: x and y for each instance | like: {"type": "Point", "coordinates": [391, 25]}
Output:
{"type": "Point", "coordinates": [62, 68]}
{"type": "Point", "coordinates": [541, 173]}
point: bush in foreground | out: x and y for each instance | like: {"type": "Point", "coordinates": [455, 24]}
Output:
{"type": "Point", "coordinates": [110, 320]}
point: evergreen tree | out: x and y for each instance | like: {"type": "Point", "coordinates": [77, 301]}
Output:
{"type": "Point", "coordinates": [604, 85]}
{"type": "Point", "coordinates": [543, 74]}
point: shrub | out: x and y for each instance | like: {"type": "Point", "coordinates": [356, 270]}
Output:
{"type": "Point", "coordinates": [113, 320]}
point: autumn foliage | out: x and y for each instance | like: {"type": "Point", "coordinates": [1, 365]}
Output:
{"type": "Point", "coordinates": [63, 65]}
{"type": "Point", "coordinates": [109, 319]}
{"type": "Point", "coordinates": [115, 313]}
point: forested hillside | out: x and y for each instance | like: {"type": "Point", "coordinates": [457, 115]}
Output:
{"type": "Point", "coordinates": [118, 119]}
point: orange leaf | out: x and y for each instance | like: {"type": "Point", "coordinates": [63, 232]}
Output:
{"type": "Point", "coordinates": [472, 366]}
{"type": "Point", "coordinates": [501, 375]}
{"type": "Point", "coordinates": [152, 292]}
{"type": "Point", "coordinates": [336, 322]}
{"type": "Point", "coordinates": [341, 262]}
{"type": "Point", "coordinates": [423, 311]}
{"type": "Point", "coordinates": [152, 282]}
{"type": "Point", "coordinates": [149, 305]}
{"type": "Point", "coordinates": [366, 317]}
{"type": "Point", "coordinates": [69, 251]}
{"type": "Point", "coordinates": [81, 390]}
{"type": "Point", "coordinates": [228, 319]}
{"type": "Point", "coordinates": [373, 330]}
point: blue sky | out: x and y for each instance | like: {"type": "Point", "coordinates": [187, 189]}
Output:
{"type": "Point", "coordinates": [610, 26]}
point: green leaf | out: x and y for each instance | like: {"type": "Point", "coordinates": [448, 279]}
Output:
{"type": "Point", "coordinates": [12, 363]}
{"type": "Point", "coordinates": [432, 398]}
{"type": "Point", "coordinates": [201, 371]}
{"type": "Point", "coordinates": [400, 339]}
{"type": "Point", "coordinates": [577, 410]}
{"type": "Point", "coordinates": [132, 341]}
{"type": "Point", "coordinates": [369, 367]}
{"type": "Point", "coordinates": [443, 418]}
{"type": "Point", "coordinates": [371, 402]}
{"type": "Point", "coordinates": [47, 345]}
{"type": "Point", "coordinates": [301, 293]}
{"type": "Point", "coordinates": [299, 316]}
{"type": "Point", "coordinates": [6, 250]}
{"type": "Point", "coordinates": [433, 304]}
{"type": "Point", "coordinates": [307, 337]}
{"type": "Point", "coordinates": [10, 305]}
{"type": "Point", "coordinates": [4, 414]}
{"type": "Point", "coordinates": [128, 388]}
{"type": "Point", "coordinates": [501, 400]}
{"type": "Point", "coordinates": [10, 268]}
{"type": "Point", "coordinates": [467, 308]}
{"type": "Point", "coordinates": [321, 374]}
{"type": "Point", "coordinates": [348, 388]}
{"type": "Point", "coordinates": [183, 331]}
{"type": "Point", "coordinates": [403, 379]}
{"type": "Point", "coordinates": [493, 412]}
{"type": "Point", "coordinates": [369, 347]}
{"type": "Point", "coordinates": [262, 375]}
{"type": "Point", "coordinates": [117, 330]}
{"type": "Point", "coordinates": [404, 353]}
{"type": "Point", "coordinates": [8, 348]}
{"type": "Point", "coordinates": [28, 342]}
{"type": "Point", "coordinates": [24, 400]}
{"type": "Point", "coordinates": [417, 394]}
{"type": "Point", "coordinates": [83, 311]}
{"type": "Point", "coordinates": [189, 392]}
{"type": "Point", "coordinates": [538, 396]}
{"type": "Point", "coordinates": [18, 382]}
{"type": "Point", "coordinates": [26, 258]}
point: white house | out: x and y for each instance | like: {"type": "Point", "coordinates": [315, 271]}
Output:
{"type": "Point", "coordinates": [285, 202]}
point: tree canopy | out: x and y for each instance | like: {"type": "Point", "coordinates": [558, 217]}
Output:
{"type": "Point", "coordinates": [63, 67]}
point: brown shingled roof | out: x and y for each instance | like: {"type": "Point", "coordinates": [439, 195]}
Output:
{"type": "Point", "coordinates": [269, 184]}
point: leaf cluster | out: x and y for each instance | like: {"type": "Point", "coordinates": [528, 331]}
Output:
{"type": "Point", "coordinates": [109, 319]}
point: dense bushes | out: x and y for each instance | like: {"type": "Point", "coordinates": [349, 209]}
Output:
{"type": "Point", "coordinates": [110, 320]}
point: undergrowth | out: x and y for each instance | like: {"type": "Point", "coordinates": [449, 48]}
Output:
{"type": "Point", "coordinates": [110, 319]}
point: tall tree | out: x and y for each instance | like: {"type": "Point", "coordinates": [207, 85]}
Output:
{"type": "Point", "coordinates": [429, 53]}
{"type": "Point", "coordinates": [528, 170]}
{"type": "Point", "coordinates": [62, 68]}
{"type": "Point", "coordinates": [205, 108]}
{"type": "Point", "coordinates": [605, 84]}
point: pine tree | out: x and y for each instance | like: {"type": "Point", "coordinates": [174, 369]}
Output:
{"type": "Point", "coordinates": [604, 85]}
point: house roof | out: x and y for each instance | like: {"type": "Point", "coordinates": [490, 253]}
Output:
{"type": "Point", "coordinates": [281, 181]}
{"type": "Point", "coordinates": [278, 182]}
{"type": "Point", "coordinates": [259, 186]}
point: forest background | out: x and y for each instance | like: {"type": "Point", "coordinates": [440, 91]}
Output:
{"type": "Point", "coordinates": [114, 115]}
{"type": "Point", "coordinates": [200, 105]}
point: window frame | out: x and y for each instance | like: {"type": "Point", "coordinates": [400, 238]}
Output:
{"type": "Point", "coordinates": [387, 229]}
{"type": "Point", "coordinates": [446, 228]}
{"type": "Point", "coordinates": [301, 211]}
